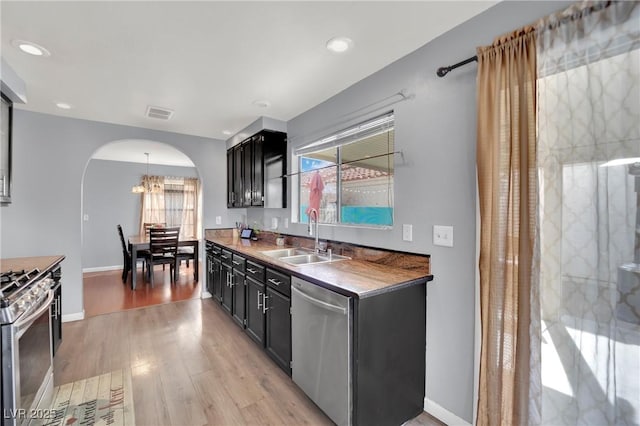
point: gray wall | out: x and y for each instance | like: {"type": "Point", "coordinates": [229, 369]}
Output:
{"type": "Point", "coordinates": [434, 185]}
{"type": "Point", "coordinates": [108, 201]}
{"type": "Point", "coordinates": [50, 154]}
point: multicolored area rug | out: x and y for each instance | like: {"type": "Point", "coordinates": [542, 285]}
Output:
{"type": "Point", "coordinates": [100, 400]}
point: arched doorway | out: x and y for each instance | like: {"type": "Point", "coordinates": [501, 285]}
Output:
{"type": "Point", "coordinates": [108, 201]}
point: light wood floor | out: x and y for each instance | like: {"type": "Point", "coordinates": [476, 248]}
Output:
{"type": "Point", "coordinates": [105, 293]}
{"type": "Point", "coordinates": [191, 365]}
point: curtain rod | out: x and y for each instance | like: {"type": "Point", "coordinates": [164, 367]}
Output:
{"type": "Point", "coordinates": [442, 71]}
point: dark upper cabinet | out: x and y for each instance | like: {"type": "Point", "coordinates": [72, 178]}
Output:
{"type": "Point", "coordinates": [230, 194]}
{"type": "Point", "coordinates": [256, 171]}
{"type": "Point", "coordinates": [5, 149]}
{"type": "Point", "coordinates": [238, 175]}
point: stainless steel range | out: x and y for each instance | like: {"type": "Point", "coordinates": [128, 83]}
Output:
{"type": "Point", "coordinates": [27, 365]}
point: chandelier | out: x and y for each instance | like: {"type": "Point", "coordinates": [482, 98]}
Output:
{"type": "Point", "coordinates": [146, 185]}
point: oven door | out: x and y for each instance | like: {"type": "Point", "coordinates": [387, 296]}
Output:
{"type": "Point", "coordinates": [27, 364]}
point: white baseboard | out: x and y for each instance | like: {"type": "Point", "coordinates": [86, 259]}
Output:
{"type": "Point", "coordinates": [102, 268]}
{"type": "Point", "coordinates": [77, 316]}
{"type": "Point", "coordinates": [205, 295]}
{"type": "Point", "coordinates": [442, 414]}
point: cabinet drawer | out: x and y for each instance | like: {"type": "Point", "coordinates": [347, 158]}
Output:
{"type": "Point", "coordinates": [255, 270]}
{"type": "Point", "coordinates": [238, 262]}
{"type": "Point", "coordinates": [279, 281]}
{"type": "Point", "coordinates": [225, 257]}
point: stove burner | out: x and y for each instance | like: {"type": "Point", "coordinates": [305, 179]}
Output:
{"type": "Point", "coordinates": [12, 281]}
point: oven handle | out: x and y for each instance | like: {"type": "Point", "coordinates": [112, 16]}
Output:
{"type": "Point", "coordinates": [28, 320]}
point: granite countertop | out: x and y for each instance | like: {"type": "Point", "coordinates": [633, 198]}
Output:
{"type": "Point", "coordinates": [43, 263]}
{"type": "Point", "coordinates": [355, 277]}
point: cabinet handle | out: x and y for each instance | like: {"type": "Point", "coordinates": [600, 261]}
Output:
{"type": "Point", "coordinates": [259, 304]}
{"type": "Point", "coordinates": [272, 281]}
{"type": "Point", "coordinates": [264, 303]}
{"type": "Point", "coordinates": [253, 271]}
{"type": "Point", "coordinates": [235, 263]}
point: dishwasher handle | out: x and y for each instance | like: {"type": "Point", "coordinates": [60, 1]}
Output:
{"type": "Point", "coordinates": [320, 303]}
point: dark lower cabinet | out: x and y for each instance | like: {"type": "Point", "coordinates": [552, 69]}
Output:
{"type": "Point", "coordinates": [239, 294]}
{"type": "Point", "coordinates": [278, 330]}
{"type": "Point", "coordinates": [217, 280]}
{"type": "Point", "coordinates": [56, 318]}
{"type": "Point", "coordinates": [227, 292]}
{"type": "Point", "coordinates": [255, 310]}
{"type": "Point", "coordinates": [210, 278]}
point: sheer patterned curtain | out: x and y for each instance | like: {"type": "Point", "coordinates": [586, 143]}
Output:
{"type": "Point", "coordinates": [506, 162]}
{"type": "Point", "coordinates": [152, 209]}
{"type": "Point", "coordinates": [190, 221]}
{"type": "Point", "coordinates": [588, 137]}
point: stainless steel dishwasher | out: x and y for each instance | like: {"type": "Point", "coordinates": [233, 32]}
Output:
{"type": "Point", "coordinates": [321, 333]}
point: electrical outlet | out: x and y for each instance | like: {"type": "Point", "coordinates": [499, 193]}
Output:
{"type": "Point", "coordinates": [286, 222]}
{"type": "Point", "coordinates": [407, 232]}
{"type": "Point", "coordinates": [86, 217]}
{"type": "Point", "coordinates": [218, 220]}
{"type": "Point", "coordinates": [443, 236]}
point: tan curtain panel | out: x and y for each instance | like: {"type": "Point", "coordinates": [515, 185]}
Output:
{"type": "Point", "coordinates": [152, 207]}
{"type": "Point", "coordinates": [506, 163]}
{"type": "Point", "coordinates": [190, 226]}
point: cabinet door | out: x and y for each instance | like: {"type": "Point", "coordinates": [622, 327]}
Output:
{"type": "Point", "coordinates": [247, 172]}
{"type": "Point", "coordinates": [218, 281]}
{"type": "Point", "coordinates": [238, 195]}
{"type": "Point", "coordinates": [230, 181]}
{"type": "Point", "coordinates": [255, 313]}
{"type": "Point", "coordinates": [227, 292]}
{"type": "Point", "coordinates": [238, 288]}
{"type": "Point", "coordinates": [257, 175]}
{"type": "Point", "coordinates": [278, 335]}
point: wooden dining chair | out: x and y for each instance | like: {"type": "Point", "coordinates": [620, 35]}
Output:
{"type": "Point", "coordinates": [163, 250]}
{"type": "Point", "coordinates": [126, 257]}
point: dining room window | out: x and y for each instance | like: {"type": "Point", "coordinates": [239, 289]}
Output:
{"type": "Point", "coordinates": [174, 202]}
{"type": "Point", "coordinates": [348, 176]}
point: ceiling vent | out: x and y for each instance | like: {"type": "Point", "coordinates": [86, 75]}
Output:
{"type": "Point", "coordinates": [159, 112]}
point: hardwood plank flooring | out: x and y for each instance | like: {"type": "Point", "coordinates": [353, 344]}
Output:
{"type": "Point", "coordinates": [190, 365]}
{"type": "Point", "coordinates": [105, 293]}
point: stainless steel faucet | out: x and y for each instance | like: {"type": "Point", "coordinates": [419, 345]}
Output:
{"type": "Point", "coordinates": [314, 213]}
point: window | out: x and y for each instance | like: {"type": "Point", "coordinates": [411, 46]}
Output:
{"type": "Point", "coordinates": [348, 176]}
{"type": "Point", "coordinates": [174, 203]}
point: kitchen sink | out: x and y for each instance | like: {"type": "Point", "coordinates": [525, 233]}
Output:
{"type": "Point", "coordinates": [300, 256]}
{"type": "Point", "coordinates": [306, 259]}
{"type": "Point", "coordinates": [286, 252]}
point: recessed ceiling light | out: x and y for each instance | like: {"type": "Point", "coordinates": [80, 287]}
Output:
{"type": "Point", "coordinates": [226, 132]}
{"type": "Point", "coordinates": [339, 44]}
{"type": "Point", "coordinates": [262, 103]}
{"type": "Point", "coordinates": [63, 105]}
{"type": "Point", "coordinates": [30, 48]}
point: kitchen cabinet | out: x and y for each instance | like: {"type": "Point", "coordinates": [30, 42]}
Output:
{"type": "Point", "coordinates": [5, 149]}
{"type": "Point", "coordinates": [255, 276]}
{"type": "Point", "coordinates": [231, 195]}
{"type": "Point", "coordinates": [214, 270]}
{"type": "Point", "coordinates": [238, 290]}
{"type": "Point", "coordinates": [226, 299]}
{"type": "Point", "coordinates": [278, 318]}
{"type": "Point", "coordinates": [256, 169]}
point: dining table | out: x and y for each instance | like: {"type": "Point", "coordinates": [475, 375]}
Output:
{"type": "Point", "coordinates": [140, 242]}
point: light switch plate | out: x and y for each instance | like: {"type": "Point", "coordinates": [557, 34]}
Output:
{"type": "Point", "coordinates": [443, 236]}
{"type": "Point", "coordinates": [218, 220]}
{"type": "Point", "coordinates": [407, 232]}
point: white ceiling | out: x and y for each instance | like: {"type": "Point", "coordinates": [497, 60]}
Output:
{"type": "Point", "coordinates": [208, 60]}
